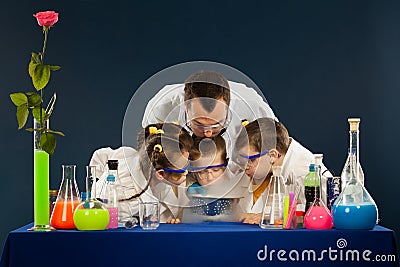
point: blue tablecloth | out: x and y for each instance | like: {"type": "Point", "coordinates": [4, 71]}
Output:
{"type": "Point", "coordinates": [203, 244]}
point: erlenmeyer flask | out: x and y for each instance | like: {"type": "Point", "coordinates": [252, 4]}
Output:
{"type": "Point", "coordinates": [67, 200]}
{"type": "Point", "coordinates": [318, 217]}
{"type": "Point", "coordinates": [273, 211]}
{"type": "Point", "coordinates": [91, 214]}
{"type": "Point", "coordinates": [354, 208]}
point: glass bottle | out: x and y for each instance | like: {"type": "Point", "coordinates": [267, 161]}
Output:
{"type": "Point", "coordinates": [109, 198]}
{"type": "Point", "coordinates": [273, 211]}
{"type": "Point", "coordinates": [318, 217]}
{"type": "Point", "coordinates": [91, 214]}
{"type": "Point", "coordinates": [354, 208]}
{"type": "Point", "coordinates": [311, 186]}
{"type": "Point", "coordinates": [68, 199]}
{"type": "Point", "coordinates": [351, 157]}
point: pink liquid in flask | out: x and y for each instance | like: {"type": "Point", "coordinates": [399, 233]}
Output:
{"type": "Point", "coordinates": [318, 218]}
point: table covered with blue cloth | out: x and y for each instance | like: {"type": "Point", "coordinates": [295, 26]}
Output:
{"type": "Point", "coordinates": [201, 244]}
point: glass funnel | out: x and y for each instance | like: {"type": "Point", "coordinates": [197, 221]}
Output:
{"type": "Point", "coordinates": [91, 214]}
{"type": "Point", "coordinates": [273, 211]}
{"type": "Point", "coordinates": [67, 200]}
{"type": "Point", "coordinates": [354, 208]}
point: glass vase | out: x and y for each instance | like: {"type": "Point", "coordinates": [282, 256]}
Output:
{"type": "Point", "coordinates": [41, 169]}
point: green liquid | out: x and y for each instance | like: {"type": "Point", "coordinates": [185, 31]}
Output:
{"type": "Point", "coordinates": [91, 219]}
{"type": "Point", "coordinates": [41, 187]}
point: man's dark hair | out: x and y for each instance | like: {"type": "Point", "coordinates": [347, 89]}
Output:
{"type": "Point", "coordinates": [207, 85]}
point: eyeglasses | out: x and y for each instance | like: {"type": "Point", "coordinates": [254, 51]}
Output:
{"type": "Point", "coordinates": [219, 127]}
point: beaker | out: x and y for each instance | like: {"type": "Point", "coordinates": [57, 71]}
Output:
{"type": "Point", "coordinates": [68, 199]}
{"type": "Point", "coordinates": [273, 213]}
{"type": "Point", "coordinates": [91, 214]}
{"type": "Point", "coordinates": [354, 208]}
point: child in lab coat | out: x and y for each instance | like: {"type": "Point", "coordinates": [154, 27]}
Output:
{"type": "Point", "coordinates": [214, 189]}
{"type": "Point", "coordinates": [164, 160]}
{"type": "Point", "coordinates": [261, 144]}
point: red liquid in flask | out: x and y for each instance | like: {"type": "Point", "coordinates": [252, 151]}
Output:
{"type": "Point", "coordinates": [63, 215]}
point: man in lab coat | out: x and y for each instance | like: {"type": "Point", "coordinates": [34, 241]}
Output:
{"type": "Point", "coordinates": [207, 105]}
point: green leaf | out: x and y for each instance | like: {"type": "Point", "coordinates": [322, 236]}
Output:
{"type": "Point", "coordinates": [36, 114]}
{"type": "Point", "coordinates": [53, 68]}
{"type": "Point", "coordinates": [34, 99]}
{"type": "Point", "coordinates": [35, 61]}
{"type": "Point", "coordinates": [19, 99]}
{"type": "Point", "coordinates": [35, 129]}
{"type": "Point", "coordinates": [56, 132]}
{"type": "Point", "coordinates": [31, 68]}
{"type": "Point", "coordinates": [35, 58]}
{"type": "Point", "coordinates": [48, 143]}
{"type": "Point", "coordinates": [22, 116]}
{"type": "Point", "coordinates": [41, 76]}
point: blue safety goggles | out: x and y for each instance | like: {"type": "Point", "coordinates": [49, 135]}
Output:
{"type": "Point", "coordinates": [183, 170]}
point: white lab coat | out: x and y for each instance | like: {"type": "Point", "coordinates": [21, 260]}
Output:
{"type": "Point", "coordinates": [295, 166]}
{"type": "Point", "coordinates": [131, 180]}
{"type": "Point", "coordinates": [171, 205]}
{"type": "Point", "coordinates": [167, 106]}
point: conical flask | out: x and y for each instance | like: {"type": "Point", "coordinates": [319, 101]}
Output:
{"type": "Point", "coordinates": [91, 214]}
{"type": "Point", "coordinates": [67, 200]}
{"type": "Point", "coordinates": [354, 208]}
{"type": "Point", "coordinates": [318, 216]}
{"type": "Point", "coordinates": [273, 211]}
{"type": "Point", "coordinates": [345, 176]}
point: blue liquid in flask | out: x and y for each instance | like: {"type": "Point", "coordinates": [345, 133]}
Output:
{"type": "Point", "coordinates": [355, 216]}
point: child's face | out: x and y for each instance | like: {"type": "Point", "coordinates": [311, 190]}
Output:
{"type": "Point", "coordinates": [177, 178]}
{"type": "Point", "coordinates": [259, 167]}
{"type": "Point", "coordinates": [207, 176]}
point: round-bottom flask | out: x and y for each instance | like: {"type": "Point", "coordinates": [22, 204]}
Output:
{"type": "Point", "coordinates": [91, 214]}
{"type": "Point", "coordinates": [318, 217]}
{"type": "Point", "coordinates": [354, 208]}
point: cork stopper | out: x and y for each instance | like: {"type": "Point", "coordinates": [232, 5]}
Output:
{"type": "Point", "coordinates": [354, 122]}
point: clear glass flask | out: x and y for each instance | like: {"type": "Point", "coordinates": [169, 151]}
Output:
{"type": "Point", "coordinates": [318, 216]}
{"type": "Point", "coordinates": [91, 214]}
{"type": "Point", "coordinates": [351, 157]}
{"type": "Point", "coordinates": [68, 199]}
{"type": "Point", "coordinates": [273, 211]}
{"type": "Point", "coordinates": [354, 208]}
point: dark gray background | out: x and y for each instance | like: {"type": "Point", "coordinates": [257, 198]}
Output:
{"type": "Point", "coordinates": [317, 63]}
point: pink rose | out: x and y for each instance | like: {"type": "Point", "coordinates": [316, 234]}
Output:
{"type": "Point", "coordinates": [46, 18]}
